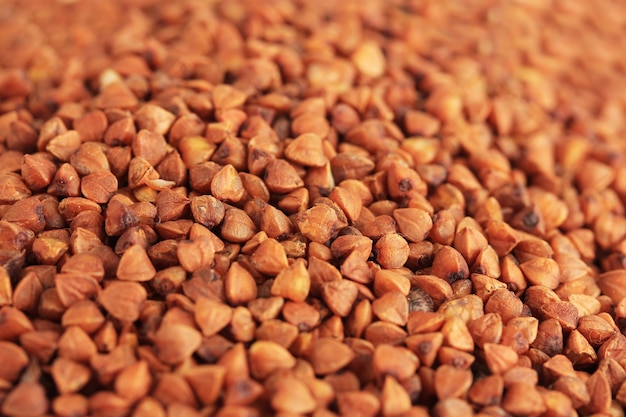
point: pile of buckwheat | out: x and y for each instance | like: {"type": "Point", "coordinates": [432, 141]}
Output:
{"type": "Point", "coordinates": [248, 208]}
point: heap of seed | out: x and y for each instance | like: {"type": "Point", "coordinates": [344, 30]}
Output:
{"type": "Point", "coordinates": [325, 208]}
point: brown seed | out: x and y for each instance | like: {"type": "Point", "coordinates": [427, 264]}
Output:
{"type": "Point", "coordinates": [595, 329]}
{"type": "Point", "coordinates": [226, 185]}
{"type": "Point", "coordinates": [611, 348]}
{"type": "Point", "coordinates": [499, 358]}
{"type": "Point", "coordinates": [487, 391]}
{"type": "Point", "coordinates": [50, 128]}
{"type": "Point", "coordinates": [536, 296]}
{"type": "Point", "coordinates": [91, 126]}
{"type": "Point", "coordinates": [12, 188]}
{"type": "Point", "coordinates": [239, 285]}
{"type": "Point", "coordinates": [47, 251]}
{"type": "Point", "coordinates": [393, 307]}
{"type": "Point", "coordinates": [358, 403]}
{"type": "Point", "coordinates": [381, 332]}
{"type": "Point", "coordinates": [171, 204]}
{"type": "Point", "coordinates": [574, 388]}
{"type": "Point", "coordinates": [265, 308]}
{"type": "Point", "coordinates": [231, 151]}
{"type": "Point", "coordinates": [360, 318]}
{"type": "Point", "coordinates": [196, 254]}
{"type": "Point", "coordinates": [267, 357]}
{"type": "Point", "coordinates": [437, 289]}
{"type": "Point", "coordinates": [450, 265]}
{"type": "Point", "coordinates": [395, 361]}
{"type": "Point", "coordinates": [71, 288]}
{"type": "Point", "coordinates": [71, 207]}
{"type": "Point", "coordinates": [559, 366]}
{"type": "Point", "coordinates": [76, 345]}
{"type": "Point", "coordinates": [206, 381]}
{"type": "Point", "coordinates": [85, 263]}
{"type": "Point", "coordinates": [27, 293]}
{"type": "Point", "coordinates": [564, 312]}
{"type": "Point", "coordinates": [99, 186]}
{"type": "Point", "coordinates": [542, 271]}
{"type": "Point", "coordinates": [452, 407]}
{"type": "Point", "coordinates": [404, 182]}
{"type": "Point", "coordinates": [140, 172]}
{"type": "Point", "coordinates": [424, 321]}
{"type": "Point", "coordinates": [486, 329]}
{"type": "Point", "coordinates": [310, 123]}
{"type": "Point", "coordinates": [457, 335]}
{"type": "Point", "coordinates": [290, 395]}
{"type": "Point", "coordinates": [269, 258]}
{"type": "Point", "coordinates": [306, 150]}
{"type": "Point", "coordinates": [385, 281]}
{"type": "Point", "coordinates": [281, 177]}
{"type": "Point", "coordinates": [414, 224]}
{"type": "Point", "coordinates": [84, 314]}
{"type": "Point", "coordinates": [119, 218]}
{"type": "Point", "coordinates": [277, 331]}
{"type": "Point", "coordinates": [329, 355]}
{"type": "Point", "coordinates": [26, 399]}
{"type": "Point", "coordinates": [40, 344]}
{"type": "Point", "coordinates": [242, 326]}
{"type": "Point", "coordinates": [348, 200]}
{"type": "Point", "coordinates": [351, 166]}
{"type": "Point", "coordinates": [523, 399]}
{"type": "Point", "coordinates": [211, 316]}
{"type": "Point", "coordinates": [90, 158]}
{"type": "Point", "coordinates": [69, 376]}
{"type": "Point", "coordinates": [420, 123]}
{"type": "Point", "coordinates": [226, 97]}
{"type": "Point", "coordinates": [15, 359]}
{"type": "Point", "coordinates": [237, 226]}
{"type": "Point", "coordinates": [549, 337]}
{"type": "Point", "coordinates": [501, 237]}
{"type": "Point", "coordinates": [108, 402]}
{"type": "Point", "coordinates": [123, 300]}
{"type": "Point", "coordinates": [119, 160]}
{"type": "Point", "coordinates": [355, 251]}
{"type": "Point", "coordinates": [317, 223]}
{"type": "Point", "coordinates": [392, 251]}
{"type": "Point", "coordinates": [120, 132]}
{"type": "Point", "coordinates": [37, 171]}
{"type": "Point", "coordinates": [451, 382]}
{"type": "Point", "coordinates": [6, 290]}
{"type": "Point", "coordinates": [340, 296]}
{"type": "Point", "coordinates": [599, 392]}
{"type": "Point", "coordinates": [134, 382]}
{"type": "Point", "coordinates": [292, 283]}
{"type": "Point", "coordinates": [27, 213]}
{"type": "Point", "coordinates": [612, 284]}
{"type": "Point", "coordinates": [243, 392]}
{"type": "Point", "coordinates": [504, 303]}
{"type": "Point", "coordinates": [176, 342]}
{"type": "Point", "coordinates": [172, 388]}
{"type": "Point", "coordinates": [70, 405]}
{"type": "Point", "coordinates": [394, 398]}
{"type": "Point", "coordinates": [520, 332]}
{"type": "Point", "coordinates": [274, 222]}
{"type": "Point", "coordinates": [301, 314]}
{"type": "Point", "coordinates": [64, 145]}
{"type": "Point", "coordinates": [419, 300]}
{"type": "Point", "coordinates": [467, 307]}
{"type": "Point", "coordinates": [135, 265]}
{"type": "Point", "coordinates": [207, 210]}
